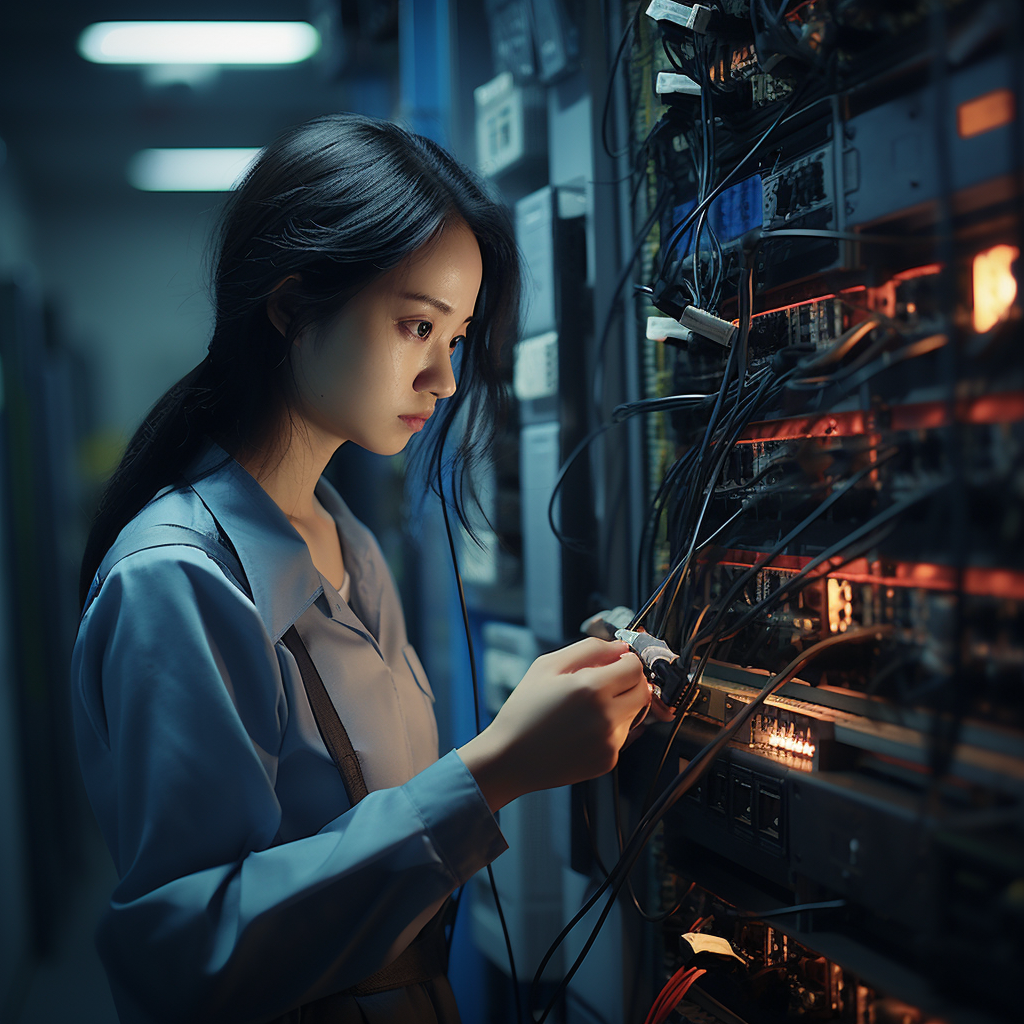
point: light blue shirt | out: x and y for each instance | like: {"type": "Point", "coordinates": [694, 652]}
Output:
{"type": "Point", "coordinates": [248, 884]}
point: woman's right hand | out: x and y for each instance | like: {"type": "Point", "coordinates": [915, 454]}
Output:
{"type": "Point", "coordinates": [565, 722]}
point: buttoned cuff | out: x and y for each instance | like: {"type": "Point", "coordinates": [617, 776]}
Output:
{"type": "Point", "coordinates": [461, 826]}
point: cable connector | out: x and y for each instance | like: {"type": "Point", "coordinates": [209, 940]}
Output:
{"type": "Point", "coordinates": [659, 662]}
{"type": "Point", "coordinates": [707, 325]}
{"type": "Point", "coordinates": [670, 84]}
{"type": "Point", "coordinates": [695, 18]}
{"type": "Point", "coordinates": [669, 298]}
{"type": "Point", "coordinates": [667, 330]}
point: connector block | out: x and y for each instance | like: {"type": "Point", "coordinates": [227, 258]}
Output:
{"type": "Point", "coordinates": [695, 18]}
{"type": "Point", "coordinates": [668, 83]}
{"type": "Point", "coordinates": [664, 328]}
{"type": "Point", "coordinates": [707, 325]}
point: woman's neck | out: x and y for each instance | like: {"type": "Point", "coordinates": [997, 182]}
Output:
{"type": "Point", "coordinates": [289, 470]}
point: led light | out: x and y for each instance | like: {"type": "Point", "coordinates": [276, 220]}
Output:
{"type": "Point", "coordinates": [984, 113]}
{"type": "Point", "coordinates": [198, 42]}
{"type": "Point", "coordinates": [995, 287]}
{"type": "Point", "coordinates": [189, 170]}
{"type": "Point", "coordinates": [840, 606]}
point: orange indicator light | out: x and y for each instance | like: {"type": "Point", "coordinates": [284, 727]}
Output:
{"type": "Point", "coordinates": [995, 287]}
{"type": "Point", "coordinates": [983, 113]}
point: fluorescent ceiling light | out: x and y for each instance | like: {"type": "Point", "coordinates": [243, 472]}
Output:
{"type": "Point", "coordinates": [189, 170]}
{"type": "Point", "coordinates": [198, 42]}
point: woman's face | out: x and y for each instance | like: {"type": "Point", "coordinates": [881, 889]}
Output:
{"type": "Point", "coordinates": [374, 373]}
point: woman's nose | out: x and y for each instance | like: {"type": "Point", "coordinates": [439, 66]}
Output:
{"type": "Point", "coordinates": [439, 377]}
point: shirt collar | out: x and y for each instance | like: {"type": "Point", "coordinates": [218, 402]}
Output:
{"type": "Point", "coordinates": [275, 559]}
{"type": "Point", "coordinates": [362, 560]}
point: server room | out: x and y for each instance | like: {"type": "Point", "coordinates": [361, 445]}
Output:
{"type": "Point", "coordinates": [673, 673]}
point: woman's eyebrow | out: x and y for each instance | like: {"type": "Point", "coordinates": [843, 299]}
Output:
{"type": "Point", "coordinates": [431, 300]}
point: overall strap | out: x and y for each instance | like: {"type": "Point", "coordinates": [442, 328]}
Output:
{"type": "Point", "coordinates": [223, 552]}
{"type": "Point", "coordinates": [332, 732]}
{"type": "Point", "coordinates": [426, 956]}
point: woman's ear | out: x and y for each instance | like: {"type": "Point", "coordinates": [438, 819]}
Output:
{"type": "Point", "coordinates": [279, 305]}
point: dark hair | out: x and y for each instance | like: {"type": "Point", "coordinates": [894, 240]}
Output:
{"type": "Point", "coordinates": [337, 201]}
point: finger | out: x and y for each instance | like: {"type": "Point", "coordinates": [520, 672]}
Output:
{"type": "Point", "coordinates": [587, 653]}
{"type": "Point", "coordinates": [620, 677]}
{"type": "Point", "coordinates": [661, 711]}
{"type": "Point", "coordinates": [639, 718]}
{"type": "Point", "coordinates": [640, 695]}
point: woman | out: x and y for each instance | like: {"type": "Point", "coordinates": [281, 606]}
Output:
{"type": "Point", "coordinates": [237, 615]}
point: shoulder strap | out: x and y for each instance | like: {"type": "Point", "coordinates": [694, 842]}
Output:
{"type": "Point", "coordinates": [223, 552]}
{"type": "Point", "coordinates": [327, 721]}
{"type": "Point", "coordinates": [332, 732]}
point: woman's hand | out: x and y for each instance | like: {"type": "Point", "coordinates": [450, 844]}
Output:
{"type": "Point", "coordinates": [565, 722]}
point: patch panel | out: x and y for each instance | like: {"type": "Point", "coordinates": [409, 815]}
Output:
{"type": "Point", "coordinates": [746, 804]}
{"type": "Point", "coordinates": [887, 773]}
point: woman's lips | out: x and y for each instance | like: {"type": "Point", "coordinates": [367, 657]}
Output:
{"type": "Point", "coordinates": [414, 423]}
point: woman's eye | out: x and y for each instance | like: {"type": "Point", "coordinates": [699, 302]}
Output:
{"type": "Point", "coordinates": [423, 328]}
{"type": "Point", "coordinates": [454, 343]}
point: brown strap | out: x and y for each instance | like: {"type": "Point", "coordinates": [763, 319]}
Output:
{"type": "Point", "coordinates": [327, 721]}
{"type": "Point", "coordinates": [427, 955]}
{"type": "Point", "coordinates": [424, 958]}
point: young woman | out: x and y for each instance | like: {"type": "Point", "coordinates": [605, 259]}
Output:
{"type": "Point", "coordinates": [237, 616]}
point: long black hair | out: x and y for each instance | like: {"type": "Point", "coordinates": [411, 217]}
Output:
{"type": "Point", "coordinates": [337, 201]}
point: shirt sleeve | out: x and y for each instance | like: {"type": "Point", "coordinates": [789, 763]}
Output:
{"type": "Point", "coordinates": [179, 710]}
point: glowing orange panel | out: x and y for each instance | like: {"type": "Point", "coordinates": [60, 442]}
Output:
{"type": "Point", "coordinates": [983, 113]}
{"type": "Point", "coordinates": [995, 287]}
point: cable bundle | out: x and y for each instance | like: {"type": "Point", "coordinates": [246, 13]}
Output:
{"type": "Point", "coordinates": [673, 994]}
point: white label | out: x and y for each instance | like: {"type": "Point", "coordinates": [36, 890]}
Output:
{"type": "Point", "coordinates": [535, 374]}
{"type": "Point", "coordinates": [710, 944]}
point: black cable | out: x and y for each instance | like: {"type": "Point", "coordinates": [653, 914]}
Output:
{"type": "Point", "coordinates": [952, 703]}
{"type": "Point", "coordinates": [766, 559]}
{"type": "Point", "coordinates": [687, 221]}
{"type": "Point", "coordinates": [655, 918]}
{"type": "Point", "coordinates": [682, 782]}
{"type": "Point", "coordinates": [613, 304]}
{"type": "Point", "coordinates": [585, 811]}
{"type": "Point", "coordinates": [690, 695]}
{"type": "Point", "coordinates": [836, 549]}
{"type": "Point", "coordinates": [623, 42]}
{"type": "Point", "coordinates": [799, 908]}
{"type": "Point", "coordinates": [677, 475]}
{"type": "Point", "coordinates": [839, 380]}
{"type": "Point", "coordinates": [476, 718]}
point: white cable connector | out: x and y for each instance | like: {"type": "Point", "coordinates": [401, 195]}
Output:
{"type": "Point", "coordinates": [670, 84]}
{"type": "Point", "coordinates": [661, 328]}
{"type": "Point", "coordinates": [707, 325]}
{"type": "Point", "coordinates": [695, 18]}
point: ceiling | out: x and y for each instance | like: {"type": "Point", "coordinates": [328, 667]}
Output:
{"type": "Point", "coordinates": [70, 127]}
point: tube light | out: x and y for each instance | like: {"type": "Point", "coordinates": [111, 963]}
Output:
{"type": "Point", "coordinates": [198, 42]}
{"type": "Point", "coordinates": [189, 170]}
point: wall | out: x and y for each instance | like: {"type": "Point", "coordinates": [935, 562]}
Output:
{"type": "Point", "coordinates": [15, 247]}
{"type": "Point", "coordinates": [133, 298]}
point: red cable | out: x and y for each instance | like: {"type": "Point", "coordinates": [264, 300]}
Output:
{"type": "Point", "coordinates": [669, 997]}
{"type": "Point", "coordinates": [663, 994]}
{"type": "Point", "coordinates": [677, 995]}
